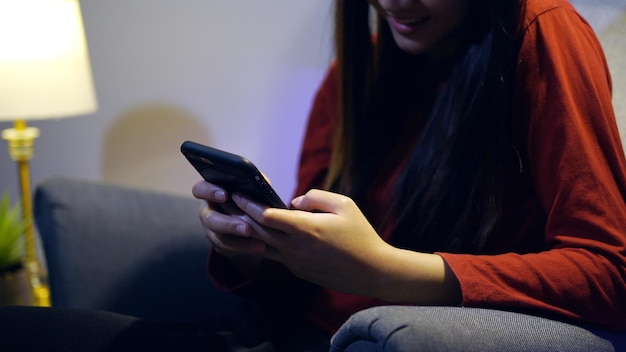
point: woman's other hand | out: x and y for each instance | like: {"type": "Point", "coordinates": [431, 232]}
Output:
{"type": "Point", "coordinates": [327, 240]}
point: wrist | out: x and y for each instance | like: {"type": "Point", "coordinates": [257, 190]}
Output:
{"type": "Point", "coordinates": [409, 277]}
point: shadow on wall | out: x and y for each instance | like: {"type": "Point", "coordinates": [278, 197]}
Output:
{"type": "Point", "coordinates": [614, 44]}
{"type": "Point", "coordinates": [142, 149]}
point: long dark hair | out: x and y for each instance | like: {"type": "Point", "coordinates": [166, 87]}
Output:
{"type": "Point", "coordinates": [449, 196]}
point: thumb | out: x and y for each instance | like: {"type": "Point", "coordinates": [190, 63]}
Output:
{"type": "Point", "coordinates": [317, 200]}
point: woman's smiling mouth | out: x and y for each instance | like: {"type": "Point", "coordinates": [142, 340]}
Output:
{"type": "Point", "coordinates": [406, 25]}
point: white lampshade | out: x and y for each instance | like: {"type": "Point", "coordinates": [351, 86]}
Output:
{"type": "Point", "coordinates": [44, 62]}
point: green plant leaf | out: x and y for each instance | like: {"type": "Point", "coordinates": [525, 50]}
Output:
{"type": "Point", "coordinates": [12, 229]}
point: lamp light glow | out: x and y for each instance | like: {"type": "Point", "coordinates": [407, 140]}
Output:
{"type": "Point", "coordinates": [44, 73]}
{"type": "Point", "coordinates": [44, 62]}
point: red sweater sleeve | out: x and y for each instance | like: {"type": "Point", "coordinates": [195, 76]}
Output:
{"type": "Point", "coordinates": [579, 175]}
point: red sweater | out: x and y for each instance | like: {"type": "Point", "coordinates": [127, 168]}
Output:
{"type": "Point", "coordinates": [565, 214]}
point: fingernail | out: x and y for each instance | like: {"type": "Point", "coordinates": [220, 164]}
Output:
{"type": "Point", "coordinates": [296, 201]}
{"type": "Point", "coordinates": [220, 195]}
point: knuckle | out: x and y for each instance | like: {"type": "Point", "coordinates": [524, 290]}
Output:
{"type": "Point", "coordinates": [268, 213]}
{"type": "Point", "coordinates": [345, 200]}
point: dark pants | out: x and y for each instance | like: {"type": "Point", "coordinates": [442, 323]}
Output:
{"type": "Point", "coordinates": [55, 329]}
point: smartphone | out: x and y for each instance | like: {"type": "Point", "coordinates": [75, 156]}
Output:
{"type": "Point", "coordinates": [232, 172]}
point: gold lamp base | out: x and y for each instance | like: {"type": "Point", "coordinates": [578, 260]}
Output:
{"type": "Point", "coordinates": [21, 141]}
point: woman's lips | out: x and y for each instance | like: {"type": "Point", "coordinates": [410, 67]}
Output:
{"type": "Point", "coordinates": [406, 25]}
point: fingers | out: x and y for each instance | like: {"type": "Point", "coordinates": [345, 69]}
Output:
{"type": "Point", "coordinates": [235, 246]}
{"type": "Point", "coordinates": [209, 192]}
{"type": "Point", "coordinates": [215, 196]}
{"type": "Point", "coordinates": [264, 221]}
{"type": "Point", "coordinates": [279, 229]}
{"type": "Point", "coordinates": [224, 223]}
{"type": "Point", "coordinates": [229, 235]}
{"type": "Point", "coordinates": [259, 213]}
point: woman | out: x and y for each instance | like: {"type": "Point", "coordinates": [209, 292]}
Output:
{"type": "Point", "coordinates": [468, 155]}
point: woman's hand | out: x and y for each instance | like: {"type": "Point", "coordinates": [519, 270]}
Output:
{"type": "Point", "coordinates": [227, 227]}
{"type": "Point", "coordinates": [327, 240]}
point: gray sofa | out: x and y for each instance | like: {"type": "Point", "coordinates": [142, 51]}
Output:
{"type": "Point", "coordinates": [142, 253]}
{"type": "Point", "coordinates": [125, 250]}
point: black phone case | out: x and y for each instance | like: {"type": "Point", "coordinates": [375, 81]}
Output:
{"type": "Point", "coordinates": [232, 172]}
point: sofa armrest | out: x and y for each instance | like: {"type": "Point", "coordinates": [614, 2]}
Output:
{"type": "Point", "coordinates": [411, 328]}
{"type": "Point", "coordinates": [125, 250]}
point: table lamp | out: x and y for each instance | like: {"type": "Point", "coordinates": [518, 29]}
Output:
{"type": "Point", "coordinates": [44, 73]}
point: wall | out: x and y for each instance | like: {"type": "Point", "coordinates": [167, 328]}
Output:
{"type": "Point", "coordinates": [236, 74]}
{"type": "Point", "coordinates": [608, 18]}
